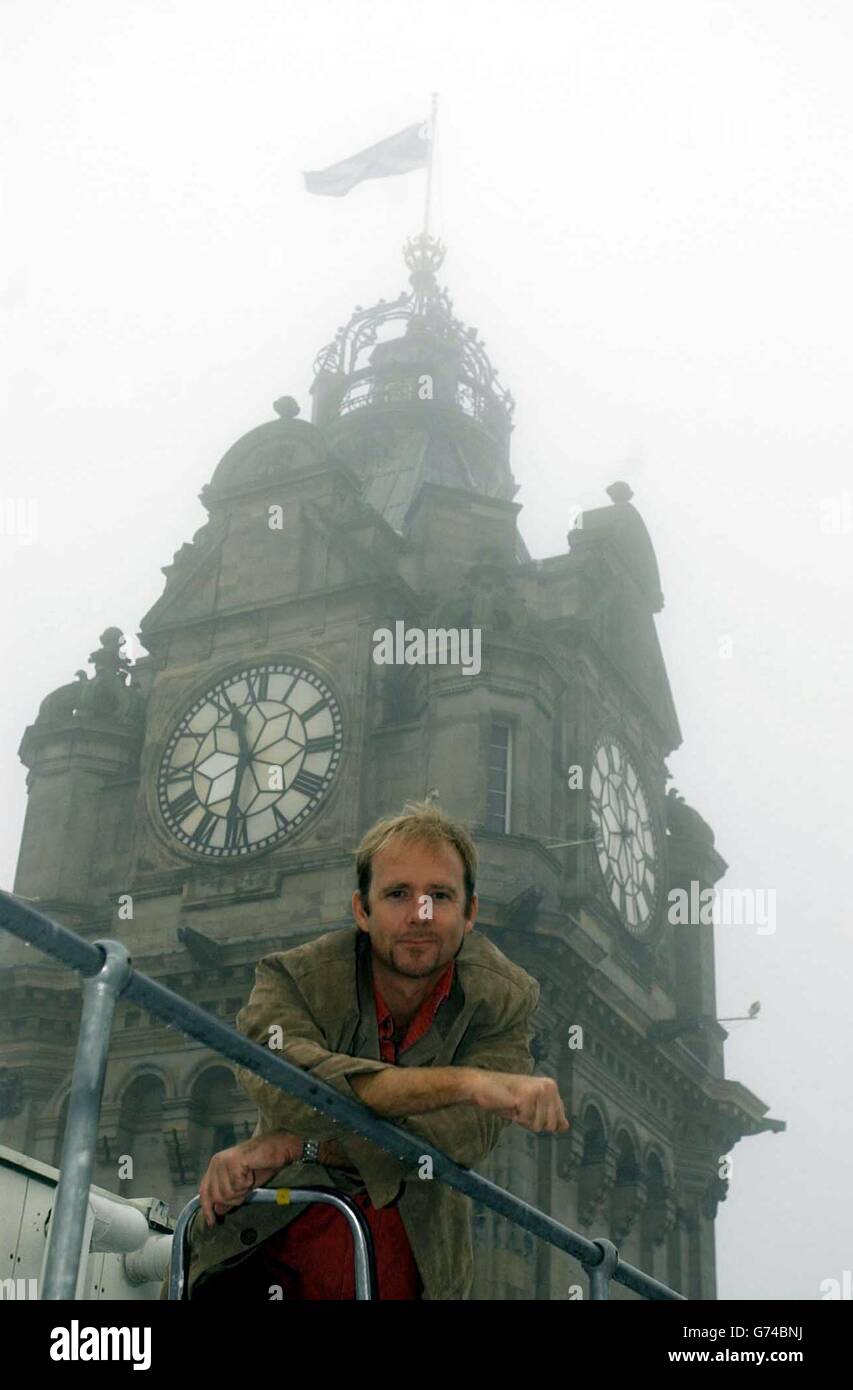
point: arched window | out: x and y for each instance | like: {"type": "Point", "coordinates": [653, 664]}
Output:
{"type": "Point", "coordinates": [594, 1138]}
{"type": "Point", "coordinates": [215, 1101]}
{"type": "Point", "coordinates": [140, 1137]}
{"type": "Point", "coordinates": [627, 1167]}
{"type": "Point", "coordinates": [592, 1177]}
{"type": "Point", "coordinates": [628, 1196]}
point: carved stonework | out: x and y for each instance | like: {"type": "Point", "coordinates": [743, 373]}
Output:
{"type": "Point", "coordinates": [570, 1154]}
{"type": "Point", "coordinates": [61, 704]}
{"type": "Point", "coordinates": [595, 1183]}
{"type": "Point", "coordinates": [685, 823]}
{"type": "Point", "coordinates": [187, 555]}
{"type": "Point", "coordinates": [106, 696]}
{"type": "Point", "coordinates": [488, 598]}
{"type": "Point", "coordinates": [628, 1203]}
{"type": "Point", "coordinates": [660, 1217]}
{"type": "Point", "coordinates": [715, 1192]}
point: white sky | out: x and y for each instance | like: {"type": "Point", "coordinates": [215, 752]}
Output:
{"type": "Point", "coordinates": [649, 212]}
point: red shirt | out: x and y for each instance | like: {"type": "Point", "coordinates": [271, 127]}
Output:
{"type": "Point", "coordinates": [312, 1258]}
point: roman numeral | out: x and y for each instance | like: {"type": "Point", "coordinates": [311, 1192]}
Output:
{"type": "Point", "coordinates": [282, 698]}
{"type": "Point", "coordinates": [222, 703]}
{"type": "Point", "coordinates": [258, 686]}
{"type": "Point", "coordinates": [308, 783]}
{"type": "Point", "coordinates": [237, 833]}
{"type": "Point", "coordinates": [280, 818]}
{"type": "Point", "coordinates": [183, 803]}
{"type": "Point", "coordinates": [189, 733]}
{"type": "Point", "coordinates": [320, 745]}
{"type": "Point", "coordinates": [315, 709]}
{"type": "Point", "coordinates": [176, 775]}
{"type": "Point", "coordinates": [205, 828]}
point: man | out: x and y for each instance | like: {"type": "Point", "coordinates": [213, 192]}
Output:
{"type": "Point", "coordinates": [416, 1017]}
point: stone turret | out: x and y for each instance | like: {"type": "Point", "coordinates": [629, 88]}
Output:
{"type": "Point", "coordinates": [86, 734]}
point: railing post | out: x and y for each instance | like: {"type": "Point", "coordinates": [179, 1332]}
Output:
{"type": "Point", "coordinates": [363, 1254]}
{"type": "Point", "coordinates": [68, 1218]}
{"type": "Point", "coordinates": [601, 1274]}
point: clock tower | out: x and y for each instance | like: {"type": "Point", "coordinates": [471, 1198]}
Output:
{"type": "Point", "coordinates": [203, 803]}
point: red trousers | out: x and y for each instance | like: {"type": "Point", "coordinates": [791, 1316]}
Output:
{"type": "Point", "coordinates": [312, 1258]}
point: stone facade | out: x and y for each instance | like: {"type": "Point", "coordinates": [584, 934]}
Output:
{"type": "Point", "coordinates": [394, 504]}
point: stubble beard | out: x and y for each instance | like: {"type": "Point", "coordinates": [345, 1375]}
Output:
{"type": "Point", "coordinates": [397, 959]}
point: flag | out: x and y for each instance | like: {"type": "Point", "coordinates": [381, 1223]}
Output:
{"type": "Point", "coordinates": [408, 149]}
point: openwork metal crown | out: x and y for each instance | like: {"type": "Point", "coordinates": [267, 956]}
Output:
{"type": "Point", "coordinates": [426, 308]}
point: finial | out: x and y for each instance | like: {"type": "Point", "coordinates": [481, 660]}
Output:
{"type": "Point", "coordinates": [619, 492]}
{"type": "Point", "coordinates": [286, 407]}
{"type": "Point", "coordinates": [424, 255]}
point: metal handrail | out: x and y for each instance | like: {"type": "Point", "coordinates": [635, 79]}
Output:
{"type": "Point", "coordinates": [365, 1270]}
{"type": "Point", "coordinates": [109, 973]}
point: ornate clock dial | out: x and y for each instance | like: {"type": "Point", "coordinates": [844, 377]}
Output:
{"type": "Point", "coordinates": [250, 760]}
{"type": "Point", "coordinates": [625, 839]}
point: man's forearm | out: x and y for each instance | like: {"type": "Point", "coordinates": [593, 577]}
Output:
{"type": "Point", "coordinates": [279, 1148]}
{"type": "Point", "coordinates": [403, 1091]}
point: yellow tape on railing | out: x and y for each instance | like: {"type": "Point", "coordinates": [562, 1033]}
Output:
{"type": "Point", "coordinates": [282, 1196]}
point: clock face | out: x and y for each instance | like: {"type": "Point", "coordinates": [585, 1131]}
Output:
{"type": "Point", "coordinates": [250, 760]}
{"type": "Point", "coordinates": [625, 839]}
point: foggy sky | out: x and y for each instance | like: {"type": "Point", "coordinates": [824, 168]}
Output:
{"type": "Point", "coordinates": [648, 210]}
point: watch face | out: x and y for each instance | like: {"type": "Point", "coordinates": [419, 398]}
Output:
{"type": "Point", "coordinates": [625, 838]}
{"type": "Point", "coordinates": [250, 760]}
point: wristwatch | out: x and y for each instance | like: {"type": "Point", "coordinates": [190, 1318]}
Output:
{"type": "Point", "coordinates": [310, 1151]}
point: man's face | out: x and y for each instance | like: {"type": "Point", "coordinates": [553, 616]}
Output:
{"type": "Point", "coordinates": [408, 883]}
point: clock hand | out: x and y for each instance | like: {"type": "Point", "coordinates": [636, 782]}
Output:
{"type": "Point", "coordinates": [622, 805]}
{"type": "Point", "coordinates": [238, 724]}
{"type": "Point", "coordinates": [244, 759]}
{"type": "Point", "coordinates": [234, 816]}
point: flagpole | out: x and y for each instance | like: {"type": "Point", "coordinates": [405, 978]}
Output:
{"type": "Point", "coordinates": [428, 197]}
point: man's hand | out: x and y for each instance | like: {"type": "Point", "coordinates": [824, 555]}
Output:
{"type": "Point", "coordinates": [530, 1101]}
{"type": "Point", "coordinates": [233, 1173]}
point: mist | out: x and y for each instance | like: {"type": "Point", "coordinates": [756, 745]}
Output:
{"type": "Point", "coordinates": [648, 212]}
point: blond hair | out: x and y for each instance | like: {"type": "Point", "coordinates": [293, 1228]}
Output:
{"type": "Point", "coordinates": [421, 822]}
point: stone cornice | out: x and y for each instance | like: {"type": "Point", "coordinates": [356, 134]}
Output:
{"type": "Point", "coordinates": [280, 602]}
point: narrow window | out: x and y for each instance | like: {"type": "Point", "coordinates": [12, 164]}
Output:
{"type": "Point", "coordinates": [499, 781]}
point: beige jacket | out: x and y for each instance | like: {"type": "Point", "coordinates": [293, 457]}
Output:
{"type": "Point", "coordinates": [321, 994]}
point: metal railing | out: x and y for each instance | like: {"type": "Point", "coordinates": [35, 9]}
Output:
{"type": "Point", "coordinates": [362, 1240]}
{"type": "Point", "coordinates": [108, 973]}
